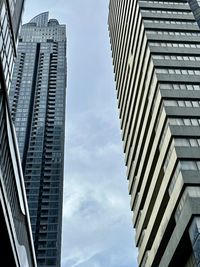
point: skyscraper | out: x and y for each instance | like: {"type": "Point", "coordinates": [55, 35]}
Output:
{"type": "Point", "coordinates": [16, 244]}
{"type": "Point", "coordinates": [37, 99]}
{"type": "Point", "coordinates": [156, 56]}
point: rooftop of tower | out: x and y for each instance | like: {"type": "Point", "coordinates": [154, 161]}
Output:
{"type": "Point", "coordinates": [42, 29]}
{"type": "Point", "coordinates": [42, 20]}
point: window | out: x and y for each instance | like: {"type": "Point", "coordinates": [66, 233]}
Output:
{"type": "Point", "coordinates": [174, 57]}
{"type": "Point", "coordinates": [179, 22]}
{"type": "Point", "coordinates": [184, 121]}
{"type": "Point", "coordinates": [171, 44]}
{"type": "Point", "coordinates": [193, 142]}
{"type": "Point", "coordinates": [177, 71]}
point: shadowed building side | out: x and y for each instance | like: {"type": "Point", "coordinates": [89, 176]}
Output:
{"type": "Point", "coordinates": [16, 243]}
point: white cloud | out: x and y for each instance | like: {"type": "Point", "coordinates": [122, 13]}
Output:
{"type": "Point", "coordinates": [79, 257]}
{"type": "Point", "coordinates": [97, 219]}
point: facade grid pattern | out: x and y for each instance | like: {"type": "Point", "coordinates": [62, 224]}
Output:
{"type": "Point", "coordinates": [37, 99]}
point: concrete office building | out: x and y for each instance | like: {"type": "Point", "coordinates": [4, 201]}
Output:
{"type": "Point", "coordinates": [37, 100]}
{"type": "Point", "coordinates": [16, 244]}
{"type": "Point", "coordinates": [156, 57]}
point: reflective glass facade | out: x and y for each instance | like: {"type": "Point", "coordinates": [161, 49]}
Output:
{"type": "Point", "coordinates": [16, 244]}
{"type": "Point", "coordinates": [37, 99]}
{"type": "Point", "coordinates": [156, 57]}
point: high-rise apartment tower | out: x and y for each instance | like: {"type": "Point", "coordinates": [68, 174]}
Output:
{"type": "Point", "coordinates": [156, 57]}
{"type": "Point", "coordinates": [37, 100]}
{"type": "Point", "coordinates": [16, 244]}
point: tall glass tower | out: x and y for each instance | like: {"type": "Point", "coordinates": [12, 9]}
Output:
{"type": "Point", "coordinates": [156, 56]}
{"type": "Point", "coordinates": [16, 244]}
{"type": "Point", "coordinates": [37, 100]}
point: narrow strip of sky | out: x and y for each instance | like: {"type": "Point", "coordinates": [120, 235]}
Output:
{"type": "Point", "coordinates": [97, 229]}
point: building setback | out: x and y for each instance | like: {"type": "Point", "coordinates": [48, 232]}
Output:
{"type": "Point", "coordinates": [37, 100]}
{"type": "Point", "coordinates": [156, 57]}
{"type": "Point", "coordinates": [16, 243]}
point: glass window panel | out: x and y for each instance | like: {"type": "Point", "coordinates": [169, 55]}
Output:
{"type": "Point", "coordinates": [188, 104]}
{"type": "Point", "coordinates": [193, 142]}
{"type": "Point", "coordinates": [198, 165]}
{"type": "Point", "coordinates": [194, 122]}
{"type": "Point", "coordinates": [181, 103]}
{"type": "Point", "coordinates": [188, 165]}
{"type": "Point", "coordinates": [195, 104]}
{"type": "Point", "coordinates": [170, 103]}
{"type": "Point", "coordinates": [181, 142]}
{"type": "Point", "coordinates": [187, 122]}
{"type": "Point", "coordinates": [179, 122]}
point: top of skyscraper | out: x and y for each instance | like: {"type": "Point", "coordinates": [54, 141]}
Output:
{"type": "Point", "coordinates": [49, 30]}
{"type": "Point", "coordinates": [40, 20]}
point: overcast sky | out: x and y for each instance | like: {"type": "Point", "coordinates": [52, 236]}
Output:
{"type": "Point", "coordinates": [97, 228]}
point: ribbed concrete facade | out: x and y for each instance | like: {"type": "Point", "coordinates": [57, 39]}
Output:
{"type": "Point", "coordinates": [156, 57]}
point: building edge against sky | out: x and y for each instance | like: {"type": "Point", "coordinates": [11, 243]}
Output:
{"type": "Point", "coordinates": [37, 100]}
{"type": "Point", "coordinates": [16, 244]}
{"type": "Point", "coordinates": [156, 57]}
